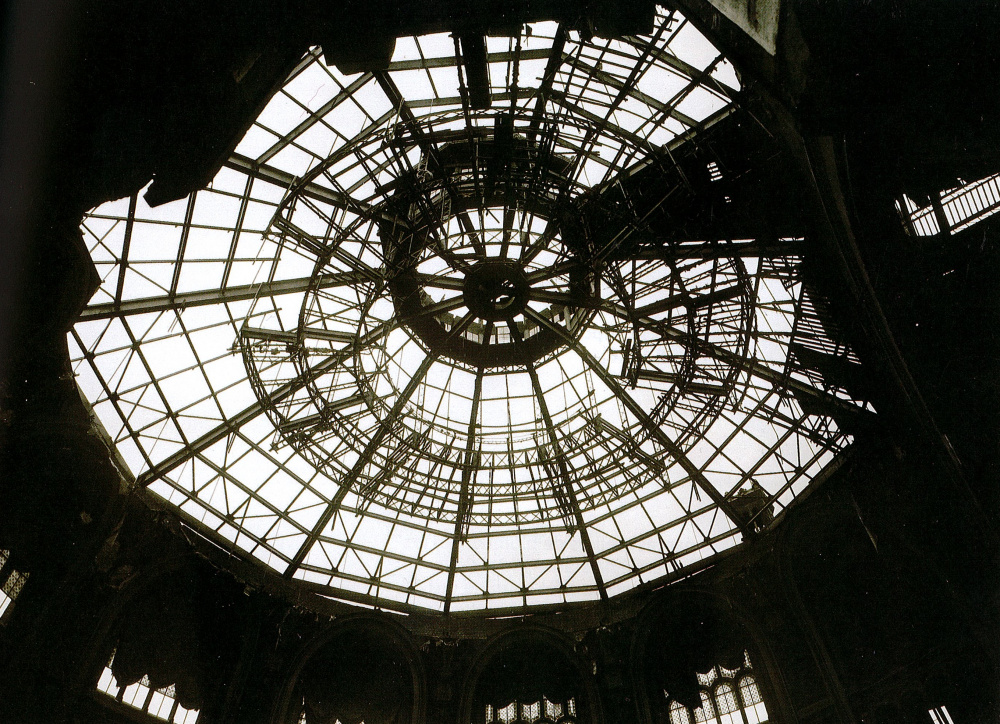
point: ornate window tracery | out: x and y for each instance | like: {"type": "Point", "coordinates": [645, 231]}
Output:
{"type": "Point", "coordinates": [728, 696]}
{"type": "Point", "coordinates": [11, 583]}
{"type": "Point", "coordinates": [161, 703]}
{"type": "Point", "coordinates": [951, 210]}
{"type": "Point", "coordinates": [542, 710]}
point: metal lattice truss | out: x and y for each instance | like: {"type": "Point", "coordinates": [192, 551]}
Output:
{"type": "Point", "coordinates": [405, 351]}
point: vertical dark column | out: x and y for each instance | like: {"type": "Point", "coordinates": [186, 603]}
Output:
{"type": "Point", "coordinates": [477, 71]}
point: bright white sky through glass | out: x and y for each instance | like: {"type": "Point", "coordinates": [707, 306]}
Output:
{"type": "Point", "coordinates": [203, 300]}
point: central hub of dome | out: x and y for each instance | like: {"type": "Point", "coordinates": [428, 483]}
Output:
{"type": "Point", "coordinates": [496, 290]}
{"type": "Point", "coordinates": [481, 272]}
{"type": "Point", "coordinates": [479, 336]}
{"type": "Point", "coordinates": [481, 308]}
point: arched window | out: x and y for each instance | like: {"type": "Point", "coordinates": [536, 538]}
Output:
{"type": "Point", "coordinates": [530, 677]}
{"type": "Point", "coordinates": [161, 703]}
{"type": "Point", "coordinates": [359, 675]}
{"type": "Point", "coordinates": [11, 583]}
{"type": "Point", "coordinates": [543, 710]}
{"type": "Point", "coordinates": [728, 696]}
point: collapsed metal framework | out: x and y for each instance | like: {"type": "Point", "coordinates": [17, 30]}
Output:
{"type": "Point", "coordinates": [415, 351]}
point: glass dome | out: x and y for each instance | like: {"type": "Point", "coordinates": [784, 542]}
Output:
{"type": "Point", "coordinates": [423, 353]}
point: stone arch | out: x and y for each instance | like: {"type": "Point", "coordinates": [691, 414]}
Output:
{"type": "Point", "coordinates": [524, 663]}
{"type": "Point", "coordinates": [360, 667]}
{"type": "Point", "coordinates": [173, 622]}
{"type": "Point", "coordinates": [875, 607]}
{"type": "Point", "coordinates": [690, 629]}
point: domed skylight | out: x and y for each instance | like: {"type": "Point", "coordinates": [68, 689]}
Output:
{"type": "Point", "coordinates": [389, 351]}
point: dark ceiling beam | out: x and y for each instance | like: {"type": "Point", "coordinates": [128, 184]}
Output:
{"type": "Point", "coordinates": [234, 239]}
{"type": "Point", "coordinates": [440, 281]}
{"type": "Point", "coordinates": [632, 90]}
{"type": "Point", "coordinates": [430, 150]}
{"type": "Point", "coordinates": [560, 98]}
{"type": "Point", "coordinates": [818, 163]}
{"type": "Point", "coordinates": [820, 399]}
{"type": "Point", "coordinates": [126, 245]}
{"type": "Point", "coordinates": [724, 249]}
{"type": "Point", "coordinates": [292, 336]}
{"type": "Point", "coordinates": [457, 100]}
{"type": "Point", "coordinates": [690, 301]}
{"type": "Point", "coordinates": [834, 405]}
{"type": "Point", "coordinates": [184, 300]}
{"type": "Point", "coordinates": [314, 117]}
{"type": "Point", "coordinates": [477, 72]}
{"type": "Point", "coordinates": [182, 246]}
{"type": "Point", "coordinates": [449, 61]}
{"type": "Point", "coordinates": [253, 411]}
{"type": "Point", "coordinates": [686, 69]}
{"type": "Point", "coordinates": [320, 418]}
{"type": "Point", "coordinates": [464, 500]}
{"type": "Point", "coordinates": [323, 248]}
{"type": "Point", "coordinates": [554, 61]}
{"type": "Point", "coordinates": [643, 418]}
{"type": "Point", "coordinates": [347, 483]}
{"type": "Point", "coordinates": [285, 180]}
{"type": "Point", "coordinates": [385, 426]}
{"type": "Point", "coordinates": [677, 198]}
{"type": "Point", "coordinates": [564, 473]}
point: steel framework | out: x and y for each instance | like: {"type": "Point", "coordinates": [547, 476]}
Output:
{"type": "Point", "coordinates": [441, 356]}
